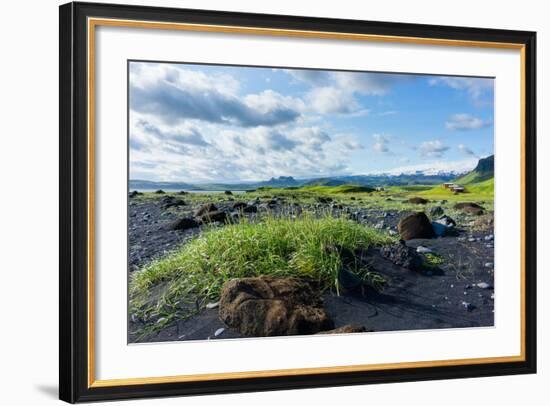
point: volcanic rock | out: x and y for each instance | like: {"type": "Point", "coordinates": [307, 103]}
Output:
{"type": "Point", "coordinates": [211, 216]}
{"type": "Point", "coordinates": [417, 200]}
{"type": "Point", "coordinates": [184, 223]}
{"type": "Point", "coordinates": [402, 255]}
{"type": "Point", "coordinates": [416, 225]}
{"type": "Point", "coordinates": [205, 208]}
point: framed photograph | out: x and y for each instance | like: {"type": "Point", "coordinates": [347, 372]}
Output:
{"type": "Point", "coordinates": [256, 202]}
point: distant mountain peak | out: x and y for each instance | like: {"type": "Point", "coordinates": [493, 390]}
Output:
{"type": "Point", "coordinates": [484, 170]}
{"type": "Point", "coordinates": [486, 164]}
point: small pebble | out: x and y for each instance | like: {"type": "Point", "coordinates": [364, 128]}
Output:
{"type": "Point", "coordinates": [423, 250]}
{"type": "Point", "coordinates": [489, 265]}
{"type": "Point", "coordinates": [483, 285]}
{"type": "Point", "coordinates": [212, 305]}
{"type": "Point", "coordinates": [219, 332]}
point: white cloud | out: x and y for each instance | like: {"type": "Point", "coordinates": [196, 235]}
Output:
{"type": "Point", "coordinates": [310, 76]}
{"type": "Point", "coordinates": [465, 122]}
{"type": "Point", "coordinates": [465, 150]}
{"type": "Point", "coordinates": [366, 83]}
{"type": "Point", "coordinates": [335, 92]}
{"type": "Point", "coordinates": [329, 100]}
{"type": "Point", "coordinates": [478, 89]}
{"type": "Point", "coordinates": [381, 142]}
{"type": "Point", "coordinates": [175, 94]}
{"type": "Point", "coordinates": [434, 149]}
{"type": "Point", "coordinates": [225, 153]}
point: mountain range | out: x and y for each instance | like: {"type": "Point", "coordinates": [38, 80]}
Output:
{"type": "Point", "coordinates": [483, 171]}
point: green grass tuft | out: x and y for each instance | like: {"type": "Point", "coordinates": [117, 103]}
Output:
{"type": "Point", "coordinates": [307, 247]}
{"type": "Point", "coordinates": [433, 260]}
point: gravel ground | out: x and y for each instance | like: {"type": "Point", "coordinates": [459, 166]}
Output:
{"type": "Point", "coordinates": [459, 293]}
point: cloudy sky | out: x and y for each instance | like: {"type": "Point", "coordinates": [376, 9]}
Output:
{"type": "Point", "coordinates": [204, 123]}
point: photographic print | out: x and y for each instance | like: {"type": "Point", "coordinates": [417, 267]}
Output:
{"type": "Point", "coordinates": [281, 201]}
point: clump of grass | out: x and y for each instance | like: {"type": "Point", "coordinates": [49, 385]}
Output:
{"type": "Point", "coordinates": [433, 260]}
{"type": "Point", "coordinates": [303, 248]}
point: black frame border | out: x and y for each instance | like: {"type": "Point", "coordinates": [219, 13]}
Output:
{"type": "Point", "coordinates": [73, 201]}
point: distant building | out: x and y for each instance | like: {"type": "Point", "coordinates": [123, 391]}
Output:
{"type": "Point", "coordinates": [454, 187]}
{"type": "Point", "coordinates": [379, 189]}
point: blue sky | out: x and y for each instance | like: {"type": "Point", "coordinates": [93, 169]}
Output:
{"type": "Point", "coordinates": [207, 123]}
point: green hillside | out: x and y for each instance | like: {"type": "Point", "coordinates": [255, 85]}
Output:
{"type": "Point", "coordinates": [484, 171]}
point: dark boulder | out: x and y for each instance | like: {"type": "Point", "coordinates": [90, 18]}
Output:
{"type": "Point", "coordinates": [418, 200]}
{"type": "Point", "coordinates": [440, 229]}
{"type": "Point", "coordinates": [436, 211]}
{"type": "Point", "coordinates": [182, 192]}
{"type": "Point", "coordinates": [250, 209]}
{"type": "Point", "coordinates": [171, 201]}
{"type": "Point", "coordinates": [269, 306]}
{"type": "Point", "coordinates": [212, 216]}
{"type": "Point", "coordinates": [205, 208]}
{"type": "Point", "coordinates": [133, 193]}
{"type": "Point", "coordinates": [466, 206]}
{"type": "Point", "coordinates": [184, 223]}
{"type": "Point", "coordinates": [401, 255]}
{"type": "Point", "coordinates": [473, 210]}
{"type": "Point", "coordinates": [239, 205]}
{"type": "Point", "coordinates": [160, 192]}
{"type": "Point", "coordinates": [416, 225]}
{"type": "Point", "coordinates": [228, 192]}
{"type": "Point", "coordinates": [324, 199]}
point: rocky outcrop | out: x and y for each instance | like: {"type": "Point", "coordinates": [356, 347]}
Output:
{"type": "Point", "coordinates": [269, 306]}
